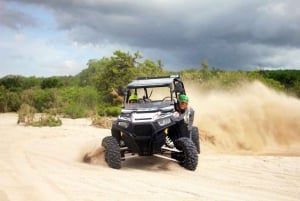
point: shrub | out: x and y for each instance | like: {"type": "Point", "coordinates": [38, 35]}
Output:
{"type": "Point", "coordinates": [26, 114]}
{"type": "Point", "coordinates": [108, 110]}
{"type": "Point", "coordinates": [74, 110]}
{"type": "Point", "coordinates": [113, 111]}
{"type": "Point", "coordinates": [102, 122]}
{"type": "Point", "coordinates": [3, 99]}
{"type": "Point", "coordinates": [44, 99]}
{"type": "Point", "coordinates": [48, 120]}
{"type": "Point", "coordinates": [78, 102]}
{"type": "Point", "coordinates": [14, 101]}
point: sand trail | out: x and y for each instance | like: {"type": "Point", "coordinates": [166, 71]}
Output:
{"type": "Point", "coordinates": [250, 151]}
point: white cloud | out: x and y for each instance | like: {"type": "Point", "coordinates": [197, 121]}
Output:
{"type": "Point", "coordinates": [19, 37]}
{"type": "Point", "coordinates": [70, 67]}
{"type": "Point", "coordinates": [283, 58]}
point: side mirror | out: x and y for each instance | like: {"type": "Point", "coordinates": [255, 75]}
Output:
{"type": "Point", "coordinates": [179, 88]}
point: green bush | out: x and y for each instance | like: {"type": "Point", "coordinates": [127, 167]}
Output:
{"type": "Point", "coordinates": [78, 102]}
{"type": "Point", "coordinates": [3, 99]}
{"type": "Point", "coordinates": [44, 99]}
{"type": "Point", "coordinates": [73, 110]}
{"type": "Point", "coordinates": [113, 111]}
{"type": "Point", "coordinates": [50, 82]}
{"type": "Point", "coordinates": [108, 110]}
{"type": "Point", "coordinates": [14, 102]}
{"type": "Point", "coordinates": [295, 90]}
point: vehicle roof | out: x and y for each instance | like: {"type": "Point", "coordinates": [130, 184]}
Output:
{"type": "Point", "coordinates": [152, 82]}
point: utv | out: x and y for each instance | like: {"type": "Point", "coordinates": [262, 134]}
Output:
{"type": "Point", "coordinates": [148, 122]}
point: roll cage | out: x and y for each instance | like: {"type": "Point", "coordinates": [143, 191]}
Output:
{"type": "Point", "coordinates": [145, 86]}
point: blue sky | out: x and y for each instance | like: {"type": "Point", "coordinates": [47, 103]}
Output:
{"type": "Point", "coordinates": [58, 37]}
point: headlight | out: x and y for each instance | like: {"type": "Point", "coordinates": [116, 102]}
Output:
{"type": "Point", "coordinates": [163, 122]}
{"type": "Point", "coordinates": [125, 116]}
{"type": "Point", "coordinates": [123, 124]}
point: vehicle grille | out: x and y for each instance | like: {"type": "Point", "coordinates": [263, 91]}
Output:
{"type": "Point", "coordinates": [142, 130]}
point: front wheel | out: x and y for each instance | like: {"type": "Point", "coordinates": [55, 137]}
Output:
{"type": "Point", "coordinates": [112, 152]}
{"type": "Point", "coordinates": [188, 158]}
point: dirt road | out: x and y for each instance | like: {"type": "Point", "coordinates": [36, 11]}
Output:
{"type": "Point", "coordinates": [40, 164]}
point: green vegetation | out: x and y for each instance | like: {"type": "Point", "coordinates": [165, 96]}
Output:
{"type": "Point", "coordinates": [93, 92]}
{"type": "Point", "coordinates": [27, 116]}
{"type": "Point", "coordinates": [290, 79]}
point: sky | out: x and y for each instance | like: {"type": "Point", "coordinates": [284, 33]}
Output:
{"type": "Point", "coordinates": [58, 37]}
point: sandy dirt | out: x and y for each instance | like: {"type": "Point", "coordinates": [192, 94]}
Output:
{"type": "Point", "coordinates": [246, 155]}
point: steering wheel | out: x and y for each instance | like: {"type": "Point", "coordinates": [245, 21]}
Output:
{"type": "Point", "coordinates": [146, 100]}
{"type": "Point", "coordinates": [166, 98]}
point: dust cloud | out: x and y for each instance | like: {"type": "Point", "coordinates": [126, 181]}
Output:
{"type": "Point", "coordinates": [249, 119]}
{"type": "Point", "coordinates": [93, 154]}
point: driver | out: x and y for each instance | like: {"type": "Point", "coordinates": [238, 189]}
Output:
{"type": "Point", "coordinates": [133, 98]}
{"type": "Point", "coordinates": [185, 128]}
{"type": "Point", "coordinates": [183, 109]}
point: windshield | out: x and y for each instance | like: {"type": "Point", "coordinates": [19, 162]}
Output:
{"type": "Point", "coordinates": [151, 94]}
{"type": "Point", "coordinates": [150, 106]}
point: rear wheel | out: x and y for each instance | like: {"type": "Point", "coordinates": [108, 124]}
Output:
{"type": "Point", "coordinates": [112, 152]}
{"type": "Point", "coordinates": [188, 158]}
{"type": "Point", "coordinates": [195, 138]}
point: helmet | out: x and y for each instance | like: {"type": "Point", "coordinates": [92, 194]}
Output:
{"type": "Point", "coordinates": [183, 98]}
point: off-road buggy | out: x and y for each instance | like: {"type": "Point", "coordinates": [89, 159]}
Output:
{"type": "Point", "coordinates": [149, 121]}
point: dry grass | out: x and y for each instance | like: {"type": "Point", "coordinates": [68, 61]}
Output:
{"type": "Point", "coordinates": [102, 122]}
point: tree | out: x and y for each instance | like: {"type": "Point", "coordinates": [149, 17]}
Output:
{"type": "Point", "coordinates": [205, 70]}
{"type": "Point", "coordinates": [89, 76]}
{"type": "Point", "coordinates": [149, 68]}
{"type": "Point", "coordinates": [118, 70]}
{"type": "Point", "coordinates": [3, 99]}
{"type": "Point", "coordinates": [50, 82]}
{"type": "Point", "coordinates": [44, 99]}
{"type": "Point", "coordinates": [12, 82]}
